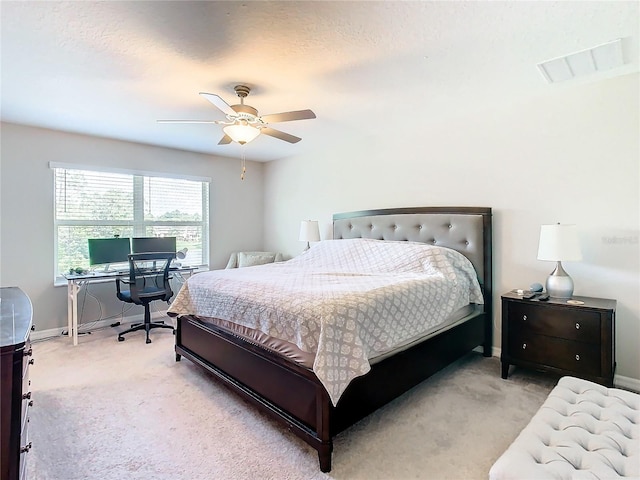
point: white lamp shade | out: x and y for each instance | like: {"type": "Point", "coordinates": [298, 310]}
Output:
{"type": "Point", "coordinates": [309, 231]}
{"type": "Point", "coordinates": [241, 133]}
{"type": "Point", "coordinates": [559, 243]}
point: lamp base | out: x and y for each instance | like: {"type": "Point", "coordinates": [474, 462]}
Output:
{"type": "Point", "coordinates": [559, 284]}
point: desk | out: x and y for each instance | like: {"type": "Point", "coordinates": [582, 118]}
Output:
{"type": "Point", "coordinates": [75, 283]}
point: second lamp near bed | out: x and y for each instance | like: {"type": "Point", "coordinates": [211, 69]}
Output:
{"type": "Point", "coordinates": [309, 232]}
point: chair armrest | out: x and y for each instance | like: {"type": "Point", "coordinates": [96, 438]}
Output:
{"type": "Point", "coordinates": [121, 280]}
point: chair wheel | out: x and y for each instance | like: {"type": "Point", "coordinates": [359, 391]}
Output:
{"type": "Point", "coordinates": [148, 340]}
{"type": "Point", "coordinates": [121, 339]}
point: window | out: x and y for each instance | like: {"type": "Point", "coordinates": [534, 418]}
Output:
{"type": "Point", "coordinates": [106, 203]}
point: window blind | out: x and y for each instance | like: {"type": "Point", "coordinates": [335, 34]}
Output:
{"type": "Point", "coordinates": [103, 204]}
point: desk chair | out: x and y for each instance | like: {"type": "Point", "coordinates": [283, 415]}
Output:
{"type": "Point", "coordinates": [148, 281]}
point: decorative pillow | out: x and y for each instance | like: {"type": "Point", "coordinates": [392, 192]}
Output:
{"type": "Point", "coordinates": [248, 259]}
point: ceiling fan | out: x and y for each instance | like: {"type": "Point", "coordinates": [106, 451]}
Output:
{"type": "Point", "coordinates": [243, 122]}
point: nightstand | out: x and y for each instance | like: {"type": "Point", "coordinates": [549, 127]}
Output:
{"type": "Point", "coordinates": [554, 336]}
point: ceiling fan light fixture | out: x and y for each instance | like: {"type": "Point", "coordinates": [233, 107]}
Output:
{"type": "Point", "coordinates": [241, 133]}
{"type": "Point", "coordinates": [244, 124]}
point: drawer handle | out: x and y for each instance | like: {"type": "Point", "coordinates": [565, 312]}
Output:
{"type": "Point", "coordinates": [578, 357]}
{"type": "Point", "coordinates": [28, 353]}
{"type": "Point", "coordinates": [26, 448]}
{"type": "Point", "coordinates": [31, 362]}
{"type": "Point", "coordinates": [33, 328]}
{"type": "Point", "coordinates": [524, 346]}
{"type": "Point", "coordinates": [577, 326]}
{"type": "Point", "coordinates": [31, 403]}
{"type": "Point", "coordinates": [26, 396]}
{"type": "Point", "coordinates": [524, 317]}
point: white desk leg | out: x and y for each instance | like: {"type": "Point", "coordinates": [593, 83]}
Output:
{"type": "Point", "coordinates": [75, 314]}
{"type": "Point", "coordinates": [72, 310]}
{"type": "Point", "coordinates": [70, 302]}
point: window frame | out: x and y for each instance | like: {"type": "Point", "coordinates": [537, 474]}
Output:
{"type": "Point", "coordinates": [138, 224]}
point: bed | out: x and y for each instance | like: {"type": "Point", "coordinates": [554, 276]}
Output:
{"type": "Point", "coordinates": [315, 397]}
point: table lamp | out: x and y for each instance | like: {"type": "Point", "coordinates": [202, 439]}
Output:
{"type": "Point", "coordinates": [309, 232]}
{"type": "Point", "coordinates": [558, 243]}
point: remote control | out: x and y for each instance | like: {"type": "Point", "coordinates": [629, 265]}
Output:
{"type": "Point", "coordinates": [544, 297]}
{"type": "Point", "coordinates": [530, 295]}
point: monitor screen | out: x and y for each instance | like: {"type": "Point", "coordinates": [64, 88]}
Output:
{"type": "Point", "coordinates": [108, 250]}
{"type": "Point", "coordinates": [153, 244]}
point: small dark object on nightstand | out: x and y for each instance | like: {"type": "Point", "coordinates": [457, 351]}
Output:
{"type": "Point", "coordinates": [544, 297]}
{"type": "Point", "coordinates": [536, 287]}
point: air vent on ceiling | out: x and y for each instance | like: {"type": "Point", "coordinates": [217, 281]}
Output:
{"type": "Point", "coordinates": [597, 59]}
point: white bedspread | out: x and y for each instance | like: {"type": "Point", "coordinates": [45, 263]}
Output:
{"type": "Point", "coordinates": [344, 300]}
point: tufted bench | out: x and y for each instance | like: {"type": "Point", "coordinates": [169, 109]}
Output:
{"type": "Point", "coordinates": [582, 431]}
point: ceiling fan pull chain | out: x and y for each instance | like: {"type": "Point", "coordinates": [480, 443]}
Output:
{"type": "Point", "coordinates": [243, 162]}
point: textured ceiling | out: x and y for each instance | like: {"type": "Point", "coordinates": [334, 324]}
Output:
{"type": "Point", "coordinates": [113, 68]}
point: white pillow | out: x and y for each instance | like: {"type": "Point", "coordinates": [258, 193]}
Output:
{"type": "Point", "coordinates": [247, 259]}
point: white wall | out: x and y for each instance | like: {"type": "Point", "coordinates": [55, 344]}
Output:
{"type": "Point", "coordinates": [571, 156]}
{"type": "Point", "coordinates": [26, 207]}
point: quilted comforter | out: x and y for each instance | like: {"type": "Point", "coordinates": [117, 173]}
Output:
{"type": "Point", "coordinates": [343, 300]}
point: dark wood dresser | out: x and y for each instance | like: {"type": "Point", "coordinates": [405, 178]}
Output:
{"type": "Point", "coordinates": [15, 359]}
{"type": "Point", "coordinates": [554, 336]}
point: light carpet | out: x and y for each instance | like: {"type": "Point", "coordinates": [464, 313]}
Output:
{"type": "Point", "coordinates": [127, 410]}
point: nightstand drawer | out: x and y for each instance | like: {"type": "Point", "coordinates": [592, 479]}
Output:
{"type": "Point", "coordinates": [570, 324]}
{"type": "Point", "coordinates": [564, 354]}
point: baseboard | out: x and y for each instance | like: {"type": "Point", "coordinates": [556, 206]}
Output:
{"type": "Point", "coordinates": [626, 383]}
{"type": "Point", "coordinates": [495, 351]}
{"type": "Point", "coordinates": [97, 325]}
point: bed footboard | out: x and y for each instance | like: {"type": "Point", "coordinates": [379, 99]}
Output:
{"type": "Point", "coordinates": [287, 392]}
{"type": "Point", "coordinates": [294, 396]}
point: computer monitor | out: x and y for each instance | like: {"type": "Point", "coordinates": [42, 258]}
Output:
{"type": "Point", "coordinates": [153, 244]}
{"type": "Point", "coordinates": [105, 251]}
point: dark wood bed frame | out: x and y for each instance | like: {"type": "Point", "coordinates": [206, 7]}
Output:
{"type": "Point", "coordinates": [292, 394]}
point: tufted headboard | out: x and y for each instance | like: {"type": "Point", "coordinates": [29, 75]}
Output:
{"type": "Point", "coordinates": [464, 229]}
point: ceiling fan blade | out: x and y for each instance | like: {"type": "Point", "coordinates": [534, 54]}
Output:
{"type": "Point", "coordinates": [288, 116]}
{"type": "Point", "coordinates": [225, 140]}
{"type": "Point", "coordinates": [187, 121]}
{"type": "Point", "coordinates": [272, 132]}
{"type": "Point", "coordinates": [219, 103]}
